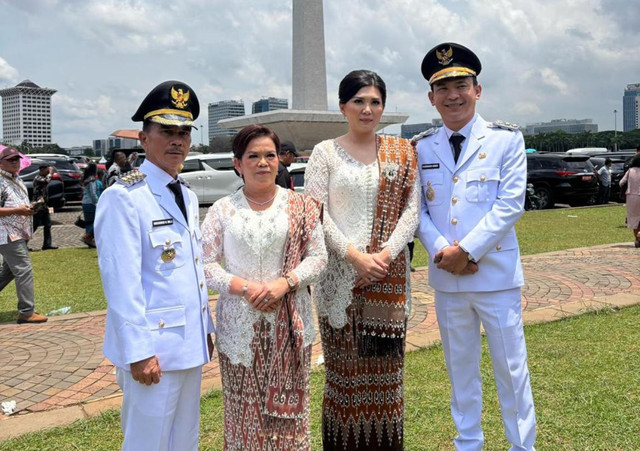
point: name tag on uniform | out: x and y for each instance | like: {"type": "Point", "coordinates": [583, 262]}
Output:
{"type": "Point", "coordinates": [431, 166]}
{"type": "Point", "coordinates": [162, 222]}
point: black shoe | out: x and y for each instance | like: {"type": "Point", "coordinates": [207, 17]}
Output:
{"type": "Point", "coordinates": [49, 248]}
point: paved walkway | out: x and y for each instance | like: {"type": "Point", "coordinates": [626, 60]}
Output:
{"type": "Point", "coordinates": [56, 372]}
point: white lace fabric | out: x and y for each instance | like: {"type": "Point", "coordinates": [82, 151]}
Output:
{"type": "Point", "coordinates": [349, 190]}
{"type": "Point", "coordinates": [251, 245]}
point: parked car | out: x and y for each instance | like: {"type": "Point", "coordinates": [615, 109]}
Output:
{"type": "Point", "coordinates": [562, 178]}
{"type": "Point", "coordinates": [297, 171]}
{"type": "Point", "coordinates": [81, 161]}
{"type": "Point", "coordinates": [617, 172]}
{"type": "Point", "coordinates": [70, 174]}
{"type": "Point", "coordinates": [55, 189]}
{"type": "Point", "coordinates": [211, 176]}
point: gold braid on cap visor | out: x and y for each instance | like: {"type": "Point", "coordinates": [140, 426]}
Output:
{"type": "Point", "coordinates": [451, 72]}
{"type": "Point", "coordinates": [169, 111]}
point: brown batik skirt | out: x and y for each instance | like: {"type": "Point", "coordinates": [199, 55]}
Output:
{"type": "Point", "coordinates": [246, 428]}
{"type": "Point", "coordinates": [363, 405]}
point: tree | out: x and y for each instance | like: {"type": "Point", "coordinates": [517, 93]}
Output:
{"type": "Point", "coordinates": [220, 144]}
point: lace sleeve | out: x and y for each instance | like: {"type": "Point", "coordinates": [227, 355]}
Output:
{"type": "Point", "coordinates": [408, 222]}
{"type": "Point", "coordinates": [316, 184]}
{"type": "Point", "coordinates": [212, 247]}
{"type": "Point", "coordinates": [314, 260]}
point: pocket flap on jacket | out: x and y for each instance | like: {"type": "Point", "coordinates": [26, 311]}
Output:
{"type": "Point", "coordinates": [483, 174]}
{"type": "Point", "coordinates": [164, 237]}
{"type": "Point", "coordinates": [431, 177]}
{"type": "Point", "coordinates": [164, 318]}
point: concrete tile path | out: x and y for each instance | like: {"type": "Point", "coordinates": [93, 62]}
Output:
{"type": "Point", "coordinates": [56, 372]}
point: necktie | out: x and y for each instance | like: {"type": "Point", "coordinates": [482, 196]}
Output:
{"type": "Point", "coordinates": [456, 141]}
{"type": "Point", "coordinates": [177, 191]}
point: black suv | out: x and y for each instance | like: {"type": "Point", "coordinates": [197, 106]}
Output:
{"type": "Point", "coordinates": [55, 189]}
{"type": "Point", "coordinates": [70, 174]}
{"type": "Point", "coordinates": [563, 178]}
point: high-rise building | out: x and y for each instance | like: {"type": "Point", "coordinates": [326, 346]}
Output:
{"type": "Point", "coordinates": [224, 109]}
{"type": "Point", "coordinates": [408, 131]}
{"type": "Point", "coordinates": [269, 104]}
{"type": "Point", "coordinates": [631, 108]}
{"type": "Point", "coordinates": [26, 114]}
{"type": "Point", "coordinates": [570, 126]}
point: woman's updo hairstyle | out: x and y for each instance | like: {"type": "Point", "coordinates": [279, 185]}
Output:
{"type": "Point", "coordinates": [355, 80]}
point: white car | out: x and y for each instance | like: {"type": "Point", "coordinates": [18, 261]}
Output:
{"type": "Point", "coordinates": [211, 176]}
{"type": "Point", "coordinates": [297, 171]}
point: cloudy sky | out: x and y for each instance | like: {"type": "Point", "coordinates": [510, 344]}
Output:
{"type": "Point", "coordinates": [542, 59]}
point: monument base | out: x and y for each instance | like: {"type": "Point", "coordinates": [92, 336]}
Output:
{"type": "Point", "coordinates": [303, 127]}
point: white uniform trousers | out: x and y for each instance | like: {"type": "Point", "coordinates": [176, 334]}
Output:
{"type": "Point", "coordinates": [500, 312]}
{"type": "Point", "coordinates": [162, 416]}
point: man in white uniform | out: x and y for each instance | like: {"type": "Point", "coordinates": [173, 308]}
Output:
{"type": "Point", "coordinates": [473, 175]}
{"type": "Point", "coordinates": [158, 319]}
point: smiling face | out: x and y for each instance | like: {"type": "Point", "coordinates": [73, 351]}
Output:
{"type": "Point", "coordinates": [166, 146]}
{"type": "Point", "coordinates": [259, 164]}
{"type": "Point", "coordinates": [364, 110]}
{"type": "Point", "coordinates": [455, 99]}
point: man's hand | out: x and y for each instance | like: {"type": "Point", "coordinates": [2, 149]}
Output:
{"type": "Point", "coordinates": [452, 259]}
{"type": "Point", "coordinates": [146, 371]}
{"type": "Point", "coordinates": [24, 210]}
{"type": "Point", "coordinates": [210, 345]}
{"type": "Point", "coordinates": [471, 268]}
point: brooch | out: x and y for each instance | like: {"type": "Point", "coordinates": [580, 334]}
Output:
{"type": "Point", "coordinates": [169, 252]}
{"type": "Point", "coordinates": [390, 171]}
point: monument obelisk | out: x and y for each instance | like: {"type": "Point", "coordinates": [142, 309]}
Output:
{"type": "Point", "coordinates": [309, 77]}
{"type": "Point", "coordinates": [309, 121]}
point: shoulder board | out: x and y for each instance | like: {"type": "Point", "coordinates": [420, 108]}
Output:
{"type": "Point", "coordinates": [424, 134]}
{"type": "Point", "coordinates": [503, 125]}
{"type": "Point", "coordinates": [131, 178]}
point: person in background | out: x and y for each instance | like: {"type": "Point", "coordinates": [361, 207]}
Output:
{"type": "Point", "coordinates": [15, 230]}
{"type": "Point", "coordinates": [631, 180]}
{"type": "Point", "coordinates": [89, 202]}
{"type": "Point", "coordinates": [100, 183]}
{"type": "Point", "coordinates": [287, 155]}
{"type": "Point", "coordinates": [43, 215]}
{"type": "Point", "coordinates": [474, 176]}
{"type": "Point", "coordinates": [120, 165]}
{"type": "Point", "coordinates": [604, 177]}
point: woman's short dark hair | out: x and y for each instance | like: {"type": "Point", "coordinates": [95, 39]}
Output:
{"type": "Point", "coordinates": [635, 162]}
{"type": "Point", "coordinates": [248, 134]}
{"type": "Point", "coordinates": [355, 80]}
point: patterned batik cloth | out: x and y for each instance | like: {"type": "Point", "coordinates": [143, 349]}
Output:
{"type": "Point", "coordinates": [246, 427]}
{"type": "Point", "coordinates": [363, 407]}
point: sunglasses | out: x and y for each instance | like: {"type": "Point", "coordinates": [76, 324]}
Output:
{"type": "Point", "coordinates": [12, 159]}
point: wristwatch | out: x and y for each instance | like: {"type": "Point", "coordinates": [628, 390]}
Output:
{"type": "Point", "coordinates": [290, 282]}
{"type": "Point", "coordinates": [245, 288]}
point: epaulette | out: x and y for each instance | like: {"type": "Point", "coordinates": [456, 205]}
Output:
{"type": "Point", "coordinates": [131, 178]}
{"type": "Point", "coordinates": [424, 134]}
{"type": "Point", "coordinates": [503, 125]}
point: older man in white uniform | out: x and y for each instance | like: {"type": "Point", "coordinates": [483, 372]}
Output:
{"type": "Point", "coordinates": [473, 175]}
{"type": "Point", "coordinates": [158, 320]}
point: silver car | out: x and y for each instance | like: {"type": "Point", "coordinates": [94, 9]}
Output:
{"type": "Point", "coordinates": [211, 176]}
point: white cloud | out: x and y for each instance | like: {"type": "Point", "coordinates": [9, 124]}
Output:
{"type": "Point", "coordinates": [8, 74]}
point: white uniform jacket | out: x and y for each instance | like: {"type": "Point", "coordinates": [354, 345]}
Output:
{"type": "Point", "coordinates": [154, 307]}
{"type": "Point", "coordinates": [475, 203]}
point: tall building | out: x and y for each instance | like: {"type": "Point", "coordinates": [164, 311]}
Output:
{"type": "Point", "coordinates": [26, 114]}
{"type": "Point", "coordinates": [570, 126]}
{"type": "Point", "coordinates": [408, 131]}
{"type": "Point", "coordinates": [631, 108]}
{"type": "Point", "coordinates": [224, 109]}
{"type": "Point", "coordinates": [269, 104]}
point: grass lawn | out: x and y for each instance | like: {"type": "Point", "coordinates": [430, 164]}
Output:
{"type": "Point", "coordinates": [62, 278]}
{"type": "Point", "coordinates": [584, 373]}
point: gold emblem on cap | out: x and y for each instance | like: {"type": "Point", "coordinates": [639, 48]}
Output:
{"type": "Point", "coordinates": [482, 156]}
{"type": "Point", "coordinates": [445, 56]}
{"type": "Point", "coordinates": [168, 254]}
{"type": "Point", "coordinates": [180, 98]}
{"type": "Point", "coordinates": [431, 194]}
